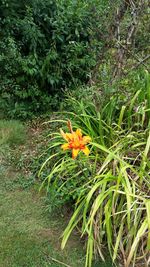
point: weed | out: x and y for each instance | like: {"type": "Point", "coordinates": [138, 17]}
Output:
{"type": "Point", "coordinates": [12, 132]}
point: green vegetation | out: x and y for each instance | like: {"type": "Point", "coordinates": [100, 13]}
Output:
{"type": "Point", "coordinates": [30, 237]}
{"type": "Point", "coordinates": [110, 189]}
{"type": "Point", "coordinates": [82, 176]}
{"type": "Point", "coordinates": [12, 132]}
{"type": "Point", "coordinates": [45, 47]}
{"type": "Point", "coordinates": [29, 234]}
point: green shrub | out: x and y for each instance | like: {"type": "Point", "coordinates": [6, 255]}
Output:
{"type": "Point", "coordinates": [45, 47]}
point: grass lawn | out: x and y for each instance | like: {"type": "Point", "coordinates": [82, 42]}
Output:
{"type": "Point", "coordinates": [29, 234]}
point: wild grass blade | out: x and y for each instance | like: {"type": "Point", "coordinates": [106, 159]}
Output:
{"type": "Point", "coordinates": [120, 121]}
{"type": "Point", "coordinates": [72, 223]}
{"type": "Point", "coordinates": [140, 233]}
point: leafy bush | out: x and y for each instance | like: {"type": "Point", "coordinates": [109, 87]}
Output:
{"type": "Point", "coordinates": [45, 47]}
{"type": "Point", "coordinates": [110, 188]}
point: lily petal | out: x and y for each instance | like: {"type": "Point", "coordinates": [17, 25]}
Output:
{"type": "Point", "coordinates": [86, 139]}
{"type": "Point", "coordinates": [75, 153]}
{"type": "Point", "coordinates": [86, 151]}
{"type": "Point", "coordinates": [65, 146]}
{"type": "Point", "coordinates": [66, 136]}
{"type": "Point", "coordinates": [63, 134]}
{"type": "Point", "coordinates": [69, 136]}
{"type": "Point", "coordinates": [79, 133]}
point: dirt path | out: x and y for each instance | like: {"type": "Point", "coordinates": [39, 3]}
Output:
{"type": "Point", "coordinates": [29, 233]}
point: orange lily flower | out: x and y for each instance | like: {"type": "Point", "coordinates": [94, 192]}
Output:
{"type": "Point", "coordinates": [75, 141]}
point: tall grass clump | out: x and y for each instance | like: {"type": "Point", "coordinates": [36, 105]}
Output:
{"type": "Point", "coordinates": [12, 132]}
{"type": "Point", "coordinates": [110, 188]}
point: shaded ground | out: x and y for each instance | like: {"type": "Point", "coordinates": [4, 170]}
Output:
{"type": "Point", "coordinates": [29, 234]}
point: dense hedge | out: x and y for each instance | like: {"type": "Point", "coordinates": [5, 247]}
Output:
{"type": "Point", "coordinates": [46, 46]}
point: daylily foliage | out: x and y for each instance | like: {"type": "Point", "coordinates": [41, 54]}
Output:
{"type": "Point", "coordinates": [110, 190]}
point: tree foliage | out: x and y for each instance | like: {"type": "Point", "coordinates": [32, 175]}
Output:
{"type": "Point", "coordinates": [48, 46]}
